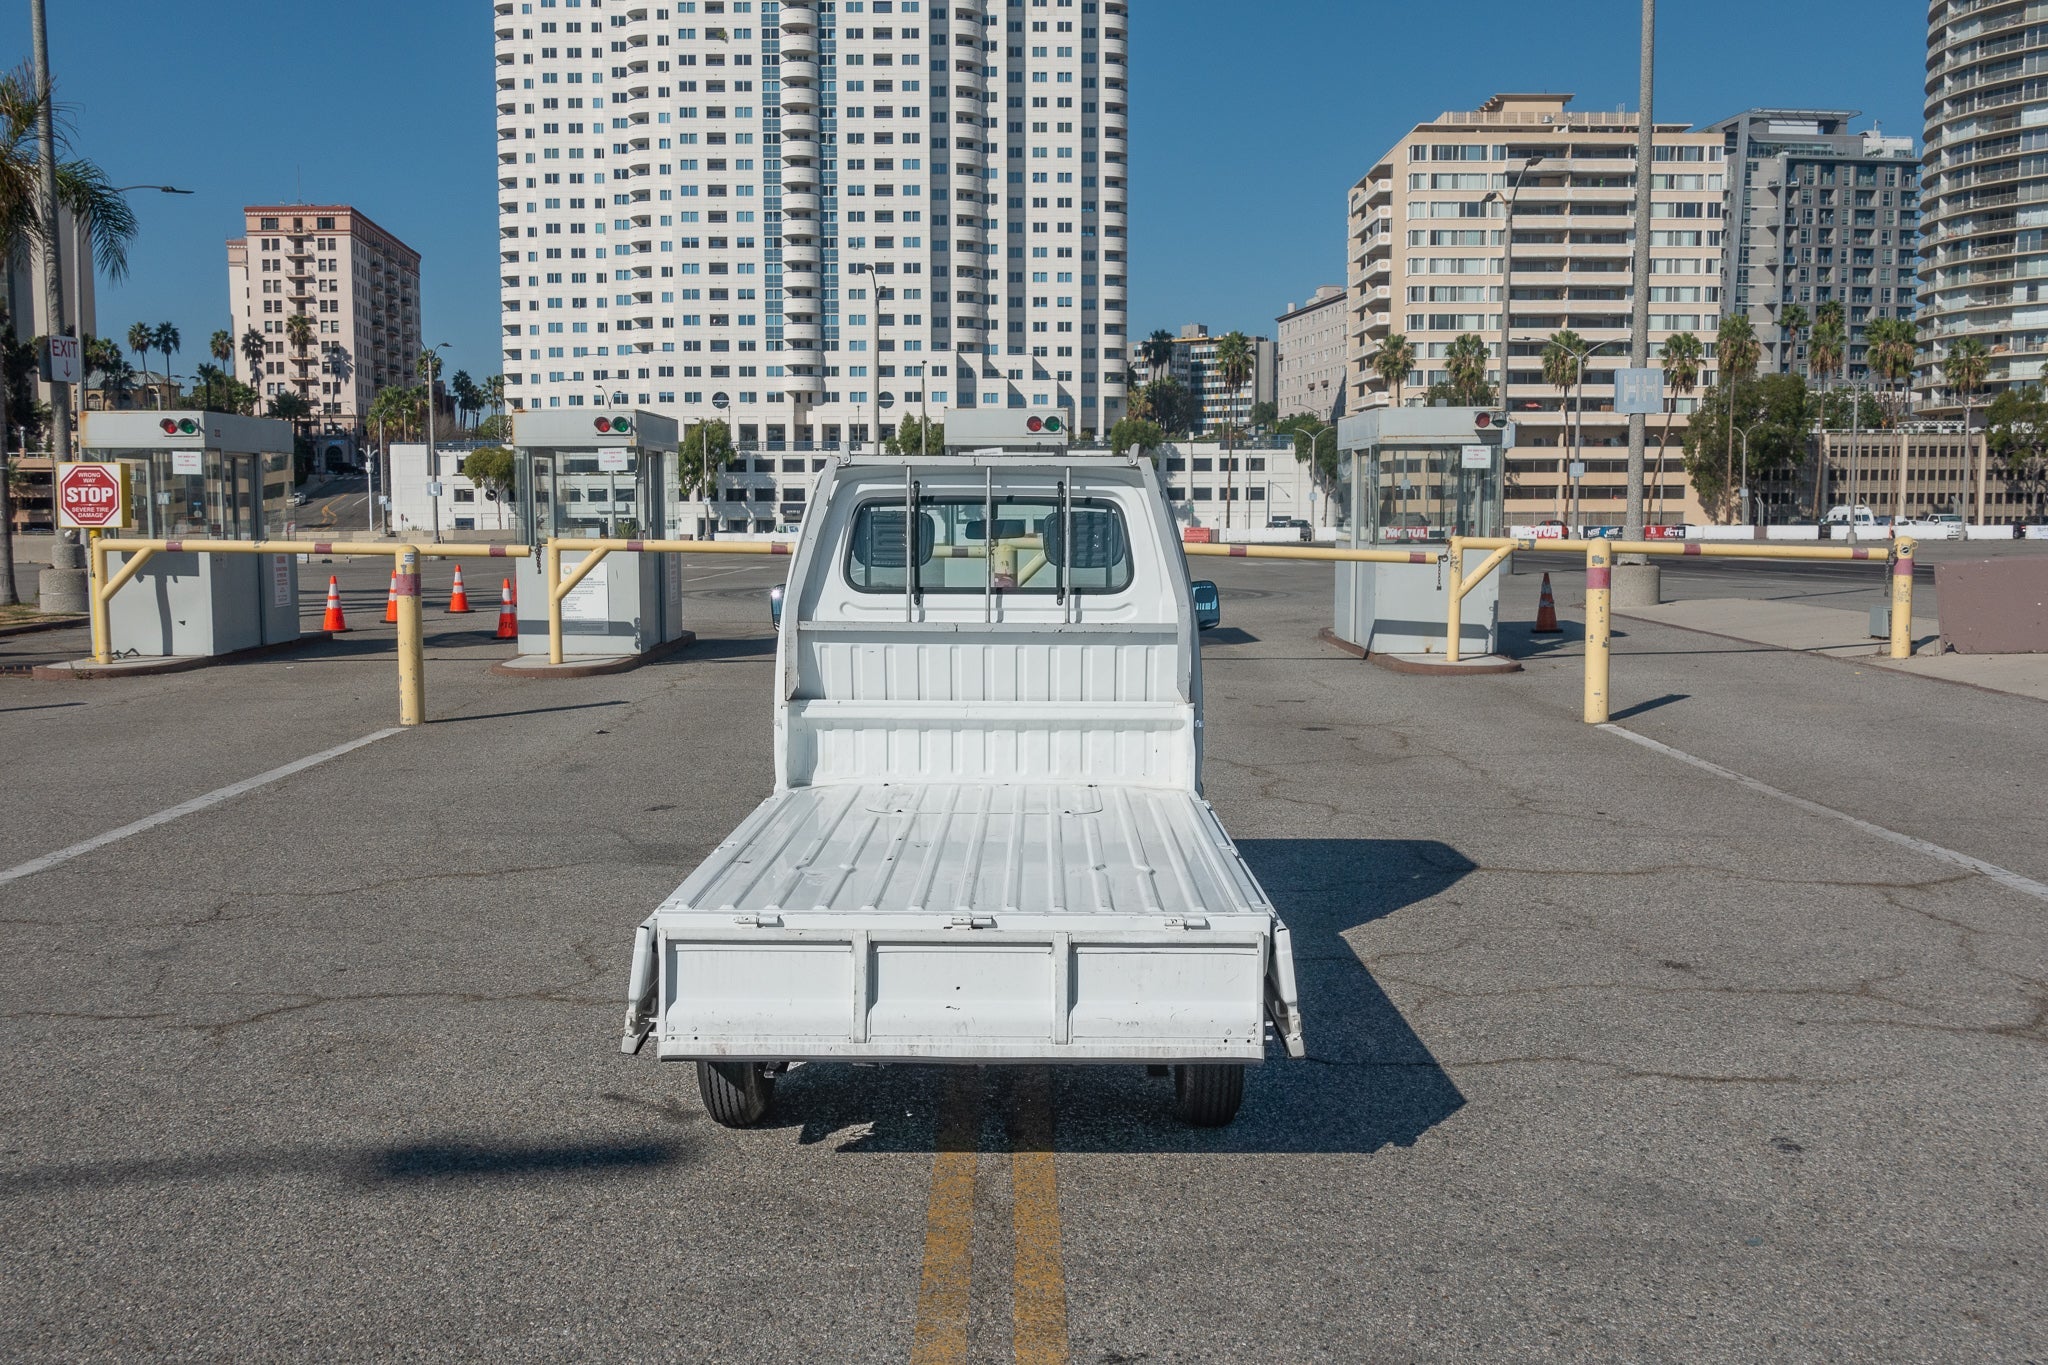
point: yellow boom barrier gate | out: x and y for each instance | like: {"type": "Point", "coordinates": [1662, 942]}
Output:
{"type": "Point", "coordinates": [405, 563]}
{"type": "Point", "coordinates": [1599, 568]}
{"type": "Point", "coordinates": [1599, 588]}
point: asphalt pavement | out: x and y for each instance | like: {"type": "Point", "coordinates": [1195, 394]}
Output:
{"type": "Point", "coordinates": [1611, 1056]}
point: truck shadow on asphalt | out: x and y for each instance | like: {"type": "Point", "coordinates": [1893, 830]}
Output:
{"type": "Point", "coordinates": [371, 1165]}
{"type": "Point", "coordinates": [1368, 1082]}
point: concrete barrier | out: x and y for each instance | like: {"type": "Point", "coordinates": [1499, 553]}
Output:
{"type": "Point", "coordinates": [1260, 535]}
{"type": "Point", "coordinates": [1721, 532]}
{"type": "Point", "coordinates": [2036, 533]}
{"type": "Point", "coordinates": [1792, 533]}
{"type": "Point", "coordinates": [1987, 533]}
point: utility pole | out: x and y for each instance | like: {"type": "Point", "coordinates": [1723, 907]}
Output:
{"type": "Point", "coordinates": [53, 268]}
{"type": "Point", "coordinates": [1639, 310]}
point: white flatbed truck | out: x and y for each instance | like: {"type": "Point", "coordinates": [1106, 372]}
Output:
{"type": "Point", "coordinates": [987, 841]}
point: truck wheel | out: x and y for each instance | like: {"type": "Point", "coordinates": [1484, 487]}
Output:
{"type": "Point", "coordinates": [1208, 1095]}
{"type": "Point", "coordinates": [736, 1094]}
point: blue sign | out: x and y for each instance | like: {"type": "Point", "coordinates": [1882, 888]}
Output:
{"type": "Point", "coordinates": [1639, 391]}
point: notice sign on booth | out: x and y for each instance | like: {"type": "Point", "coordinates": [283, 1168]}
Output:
{"type": "Point", "coordinates": [1476, 457]}
{"type": "Point", "coordinates": [93, 497]}
{"type": "Point", "coordinates": [613, 459]}
{"type": "Point", "coordinates": [188, 462]}
{"type": "Point", "coordinates": [589, 600]}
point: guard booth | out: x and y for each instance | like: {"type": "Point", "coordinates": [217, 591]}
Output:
{"type": "Point", "coordinates": [599, 474]}
{"type": "Point", "coordinates": [1415, 478]}
{"type": "Point", "coordinates": [201, 475]}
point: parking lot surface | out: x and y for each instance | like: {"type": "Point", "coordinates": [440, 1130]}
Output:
{"type": "Point", "coordinates": [1611, 1056]}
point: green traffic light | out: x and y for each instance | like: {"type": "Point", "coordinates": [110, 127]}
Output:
{"type": "Point", "coordinates": [621, 424]}
{"type": "Point", "coordinates": [1052, 424]}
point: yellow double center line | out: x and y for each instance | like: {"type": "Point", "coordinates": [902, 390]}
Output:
{"type": "Point", "coordinates": [1039, 1296]}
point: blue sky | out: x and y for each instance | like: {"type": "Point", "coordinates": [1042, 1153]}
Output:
{"type": "Point", "coordinates": [1250, 119]}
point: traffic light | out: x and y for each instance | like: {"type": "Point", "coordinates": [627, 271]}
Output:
{"type": "Point", "coordinates": [1038, 424]}
{"type": "Point", "coordinates": [179, 426]}
{"type": "Point", "coordinates": [621, 425]}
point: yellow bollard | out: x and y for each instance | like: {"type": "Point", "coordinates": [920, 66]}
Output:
{"type": "Point", "coordinates": [1599, 580]}
{"type": "Point", "coordinates": [412, 671]}
{"type": "Point", "coordinates": [102, 624]}
{"type": "Point", "coordinates": [1454, 614]}
{"type": "Point", "coordinates": [554, 587]}
{"type": "Point", "coordinates": [1902, 600]}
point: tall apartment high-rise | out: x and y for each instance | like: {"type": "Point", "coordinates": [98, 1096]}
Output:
{"type": "Point", "coordinates": [358, 287]}
{"type": "Point", "coordinates": [1310, 344]}
{"type": "Point", "coordinates": [780, 213]}
{"type": "Point", "coordinates": [1817, 213]}
{"type": "Point", "coordinates": [1427, 255]}
{"type": "Point", "coordinates": [1984, 243]}
{"type": "Point", "coordinates": [1217, 403]}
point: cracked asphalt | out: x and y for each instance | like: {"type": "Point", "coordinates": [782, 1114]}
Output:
{"type": "Point", "coordinates": [1610, 1058]}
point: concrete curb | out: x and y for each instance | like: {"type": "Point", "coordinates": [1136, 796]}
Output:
{"type": "Point", "coordinates": [590, 667]}
{"type": "Point", "coordinates": [1435, 666]}
{"type": "Point", "coordinates": [85, 670]}
{"type": "Point", "coordinates": [1422, 665]}
{"type": "Point", "coordinates": [54, 623]}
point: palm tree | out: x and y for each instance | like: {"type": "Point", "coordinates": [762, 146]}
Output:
{"type": "Point", "coordinates": [1465, 363]}
{"type": "Point", "coordinates": [221, 346]}
{"type": "Point", "coordinates": [1234, 365]}
{"type": "Point", "coordinates": [1965, 367]}
{"type": "Point", "coordinates": [1736, 350]}
{"type": "Point", "coordinates": [254, 348]}
{"type": "Point", "coordinates": [142, 340]}
{"type": "Point", "coordinates": [1682, 355]}
{"type": "Point", "coordinates": [494, 392]}
{"type": "Point", "coordinates": [1393, 363]}
{"type": "Point", "coordinates": [467, 397]}
{"type": "Point", "coordinates": [85, 192]}
{"type": "Point", "coordinates": [1564, 359]}
{"type": "Point", "coordinates": [1894, 343]}
{"type": "Point", "coordinates": [1157, 351]}
{"type": "Point", "coordinates": [1792, 320]}
{"type": "Point", "coordinates": [167, 341]}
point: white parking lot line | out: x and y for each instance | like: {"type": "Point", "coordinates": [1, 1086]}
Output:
{"type": "Point", "coordinates": [197, 803]}
{"type": "Point", "coordinates": [2026, 886]}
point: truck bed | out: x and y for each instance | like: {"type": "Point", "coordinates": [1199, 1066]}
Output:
{"type": "Point", "coordinates": [982, 921]}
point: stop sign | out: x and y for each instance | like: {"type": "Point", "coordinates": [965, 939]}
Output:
{"type": "Point", "coordinates": [92, 495]}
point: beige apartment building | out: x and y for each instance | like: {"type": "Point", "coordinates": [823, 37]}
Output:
{"type": "Point", "coordinates": [1428, 250]}
{"type": "Point", "coordinates": [359, 286]}
{"type": "Point", "coordinates": [1310, 340]}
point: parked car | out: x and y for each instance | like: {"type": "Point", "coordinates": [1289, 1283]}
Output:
{"type": "Point", "coordinates": [1933, 526]}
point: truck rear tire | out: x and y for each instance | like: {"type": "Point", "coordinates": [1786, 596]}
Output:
{"type": "Point", "coordinates": [736, 1094]}
{"type": "Point", "coordinates": [1208, 1096]}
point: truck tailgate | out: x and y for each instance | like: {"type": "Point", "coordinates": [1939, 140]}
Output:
{"type": "Point", "coordinates": [968, 921]}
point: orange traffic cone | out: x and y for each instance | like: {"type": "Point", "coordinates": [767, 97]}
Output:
{"type": "Point", "coordinates": [333, 622]}
{"type": "Point", "coordinates": [1546, 612]}
{"type": "Point", "coordinates": [391, 602]}
{"type": "Point", "coordinates": [508, 614]}
{"type": "Point", "coordinates": [458, 601]}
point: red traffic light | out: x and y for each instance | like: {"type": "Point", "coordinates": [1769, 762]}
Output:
{"type": "Point", "coordinates": [170, 426]}
{"type": "Point", "coordinates": [1034, 425]}
{"type": "Point", "coordinates": [1485, 419]}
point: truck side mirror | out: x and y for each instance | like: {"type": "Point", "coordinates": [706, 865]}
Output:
{"type": "Point", "coordinates": [1208, 604]}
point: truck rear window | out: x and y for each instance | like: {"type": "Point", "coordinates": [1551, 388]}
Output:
{"type": "Point", "coordinates": [1030, 551]}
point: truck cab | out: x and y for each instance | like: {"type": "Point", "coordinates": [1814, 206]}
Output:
{"type": "Point", "coordinates": [987, 841]}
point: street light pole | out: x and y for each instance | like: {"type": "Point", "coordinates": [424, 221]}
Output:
{"type": "Point", "coordinates": [1639, 310]}
{"type": "Point", "coordinates": [53, 272]}
{"type": "Point", "coordinates": [430, 363]}
{"type": "Point", "coordinates": [1507, 267]}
